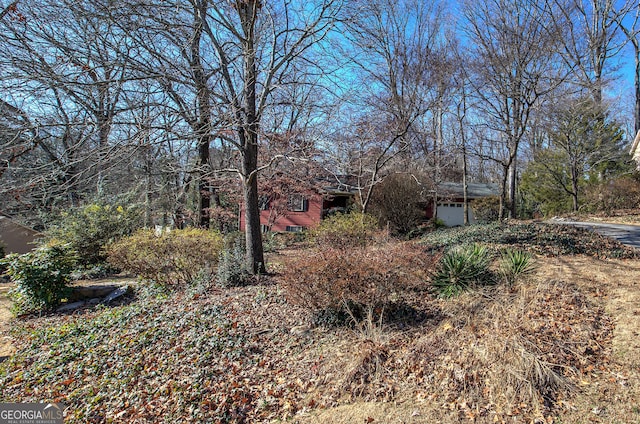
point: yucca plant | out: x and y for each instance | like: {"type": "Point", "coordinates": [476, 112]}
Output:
{"type": "Point", "coordinates": [515, 264]}
{"type": "Point", "coordinates": [461, 269]}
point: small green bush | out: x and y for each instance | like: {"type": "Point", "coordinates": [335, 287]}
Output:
{"type": "Point", "coordinates": [41, 277]}
{"type": "Point", "coordinates": [461, 269]}
{"type": "Point", "coordinates": [89, 229]}
{"type": "Point", "coordinates": [174, 257]}
{"type": "Point", "coordinates": [439, 223]}
{"type": "Point", "coordinates": [515, 264]}
{"type": "Point", "coordinates": [232, 269]}
{"type": "Point", "coordinates": [345, 231]}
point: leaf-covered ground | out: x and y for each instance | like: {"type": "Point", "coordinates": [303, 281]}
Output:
{"type": "Point", "coordinates": [544, 349]}
{"type": "Point", "coordinates": [540, 238]}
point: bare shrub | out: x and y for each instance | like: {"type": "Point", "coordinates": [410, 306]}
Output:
{"type": "Point", "coordinates": [357, 280]}
{"type": "Point", "coordinates": [621, 193]}
{"type": "Point", "coordinates": [397, 203]}
{"type": "Point", "coordinates": [486, 209]}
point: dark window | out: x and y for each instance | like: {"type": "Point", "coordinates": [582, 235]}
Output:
{"type": "Point", "coordinates": [295, 228]}
{"type": "Point", "coordinates": [298, 203]}
{"type": "Point", "coordinates": [263, 203]}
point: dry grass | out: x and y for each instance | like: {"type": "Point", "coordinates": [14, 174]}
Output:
{"type": "Point", "coordinates": [612, 395]}
{"type": "Point", "coordinates": [547, 351]}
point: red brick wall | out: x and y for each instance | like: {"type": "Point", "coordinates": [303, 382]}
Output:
{"type": "Point", "coordinates": [308, 219]}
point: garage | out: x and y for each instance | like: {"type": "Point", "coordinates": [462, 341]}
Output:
{"type": "Point", "coordinates": [452, 213]}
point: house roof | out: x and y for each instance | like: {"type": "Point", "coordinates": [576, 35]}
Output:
{"type": "Point", "coordinates": [335, 185]}
{"type": "Point", "coordinates": [474, 190]}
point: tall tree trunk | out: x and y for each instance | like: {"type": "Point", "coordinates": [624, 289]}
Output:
{"type": "Point", "coordinates": [204, 187]}
{"type": "Point", "coordinates": [574, 189]}
{"type": "Point", "coordinates": [511, 195]}
{"type": "Point", "coordinates": [636, 46]}
{"type": "Point", "coordinates": [249, 136]}
{"type": "Point", "coordinates": [253, 233]}
{"type": "Point", "coordinates": [503, 192]}
{"type": "Point", "coordinates": [465, 187]}
{"type": "Point", "coordinates": [203, 126]}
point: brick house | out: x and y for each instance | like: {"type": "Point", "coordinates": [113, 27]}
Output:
{"type": "Point", "coordinates": [300, 211]}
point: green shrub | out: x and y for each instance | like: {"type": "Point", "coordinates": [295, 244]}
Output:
{"type": "Point", "coordinates": [345, 231]}
{"type": "Point", "coordinates": [174, 257]}
{"type": "Point", "coordinates": [515, 264]}
{"type": "Point", "coordinates": [336, 283]}
{"type": "Point", "coordinates": [439, 223]}
{"type": "Point", "coordinates": [41, 277]}
{"type": "Point", "coordinates": [461, 269]}
{"type": "Point", "coordinates": [89, 229]}
{"type": "Point", "coordinates": [232, 269]}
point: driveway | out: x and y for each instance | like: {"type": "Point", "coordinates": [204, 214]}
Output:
{"type": "Point", "coordinates": [625, 234]}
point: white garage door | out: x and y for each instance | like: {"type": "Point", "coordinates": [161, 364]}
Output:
{"type": "Point", "coordinates": [452, 214]}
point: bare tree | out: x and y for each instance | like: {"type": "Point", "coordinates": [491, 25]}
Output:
{"type": "Point", "coordinates": [175, 56]}
{"type": "Point", "coordinates": [592, 38]}
{"type": "Point", "coordinates": [393, 48]}
{"type": "Point", "coordinates": [256, 46]}
{"type": "Point", "coordinates": [63, 71]}
{"type": "Point", "coordinates": [515, 49]}
{"type": "Point", "coordinates": [631, 30]}
{"type": "Point", "coordinates": [9, 9]}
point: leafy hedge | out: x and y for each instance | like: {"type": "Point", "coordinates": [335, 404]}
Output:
{"type": "Point", "coordinates": [90, 228]}
{"type": "Point", "coordinates": [177, 256]}
{"type": "Point", "coordinates": [345, 231]}
{"type": "Point", "coordinates": [41, 277]}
